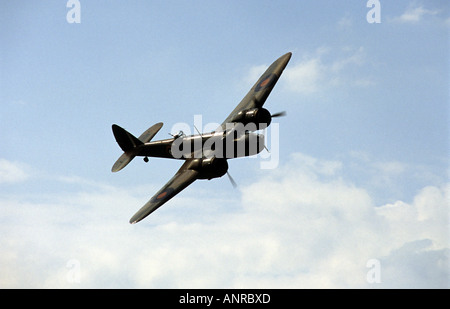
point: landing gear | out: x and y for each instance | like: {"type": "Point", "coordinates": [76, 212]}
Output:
{"type": "Point", "coordinates": [145, 159]}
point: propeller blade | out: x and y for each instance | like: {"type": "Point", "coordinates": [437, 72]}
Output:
{"type": "Point", "coordinates": [232, 180]}
{"type": "Point", "coordinates": [280, 114]}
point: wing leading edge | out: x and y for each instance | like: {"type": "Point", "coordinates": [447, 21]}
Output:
{"type": "Point", "coordinates": [183, 178]}
{"type": "Point", "coordinates": [261, 90]}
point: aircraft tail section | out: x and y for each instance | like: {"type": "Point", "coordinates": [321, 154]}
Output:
{"type": "Point", "coordinates": [129, 143]}
{"type": "Point", "coordinates": [125, 139]}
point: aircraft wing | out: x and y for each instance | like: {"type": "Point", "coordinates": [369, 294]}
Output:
{"type": "Point", "coordinates": [261, 90]}
{"type": "Point", "coordinates": [183, 178]}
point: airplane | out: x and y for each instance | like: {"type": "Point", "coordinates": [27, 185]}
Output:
{"type": "Point", "coordinates": [205, 155]}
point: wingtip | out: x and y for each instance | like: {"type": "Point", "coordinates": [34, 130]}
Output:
{"type": "Point", "coordinates": [115, 127]}
{"type": "Point", "coordinates": [283, 60]}
{"type": "Point", "coordinates": [137, 217]}
{"type": "Point", "coordinates": [287, 56]}
{"type": "Point", "coordinates": [133, 220]}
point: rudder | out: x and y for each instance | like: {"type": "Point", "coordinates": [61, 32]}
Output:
{"type": "Point", "coordinates": [125, 139]}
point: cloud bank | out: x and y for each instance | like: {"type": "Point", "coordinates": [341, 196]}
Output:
{"type": "Point", "coordinates": [311, 73]}
{"type": "Point", "coordinates": [299, 226]}
{"type": "Point", "coordinates": [415, 15]}
{"type": "Point", "coordinates": [12, 172]}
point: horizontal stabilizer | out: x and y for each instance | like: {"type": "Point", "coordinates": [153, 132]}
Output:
{"type": "Point", "coordinates": [150, 133]}
{"type": "Point", "coordinates": [123, 160]}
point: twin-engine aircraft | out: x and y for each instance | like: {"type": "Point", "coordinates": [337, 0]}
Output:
{"type": "Point", "coordinates": [205, 155]}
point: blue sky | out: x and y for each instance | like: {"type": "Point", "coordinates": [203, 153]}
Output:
{"type": "Point", "coordinates": [364, 148]}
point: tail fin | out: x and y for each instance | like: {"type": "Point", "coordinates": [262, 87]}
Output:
{"type": "Point", "coordinates": [128, 142]}
{"type": "Point", "coordinates": [125, 139]}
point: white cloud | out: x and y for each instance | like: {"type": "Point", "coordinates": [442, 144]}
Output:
{"type": "Point", "coordinates": [345, 22]}
{"type": "Point", "coordinates": [301, 225]}
{"type": "Point", "coordinates": [325, 69]}
{"type": "Point", "coordinates": [427, 217]}
{"type": "Point", "coordinates": [305, 77]}
{"type": "Point", "coordinates": [12, 172]}
{"type": "Point", "coordinates": [352, 57]}
{"type": "Point", "coordinates": [411, 266]}
{"type": "Point", "coordinates": [415, 15]}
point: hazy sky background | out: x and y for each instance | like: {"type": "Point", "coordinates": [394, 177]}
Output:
{"type": "Point", "coordinates": [363, 151]}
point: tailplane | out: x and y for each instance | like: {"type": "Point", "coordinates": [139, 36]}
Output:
{"type": "Point", "coordinates": [129, 143]}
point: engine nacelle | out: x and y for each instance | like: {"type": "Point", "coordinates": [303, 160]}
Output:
{"type": "Point", "coordinates": [210, 168]}
{"type": "Point", "coordinates": [259, 116]}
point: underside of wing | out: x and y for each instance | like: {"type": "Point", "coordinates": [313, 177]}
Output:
{"type": "Point", "coordinates": [256, 97]}
{"type": "Point", "coordinates": [183, 178]}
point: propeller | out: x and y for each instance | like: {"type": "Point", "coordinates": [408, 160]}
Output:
{"type": "Point", "coordinates": [232, 180]}
{"type": "Point", "coordinates": [280, 114]}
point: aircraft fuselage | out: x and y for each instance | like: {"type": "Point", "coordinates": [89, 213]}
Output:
{"type": "Point", "coordinates": [217, 144]}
